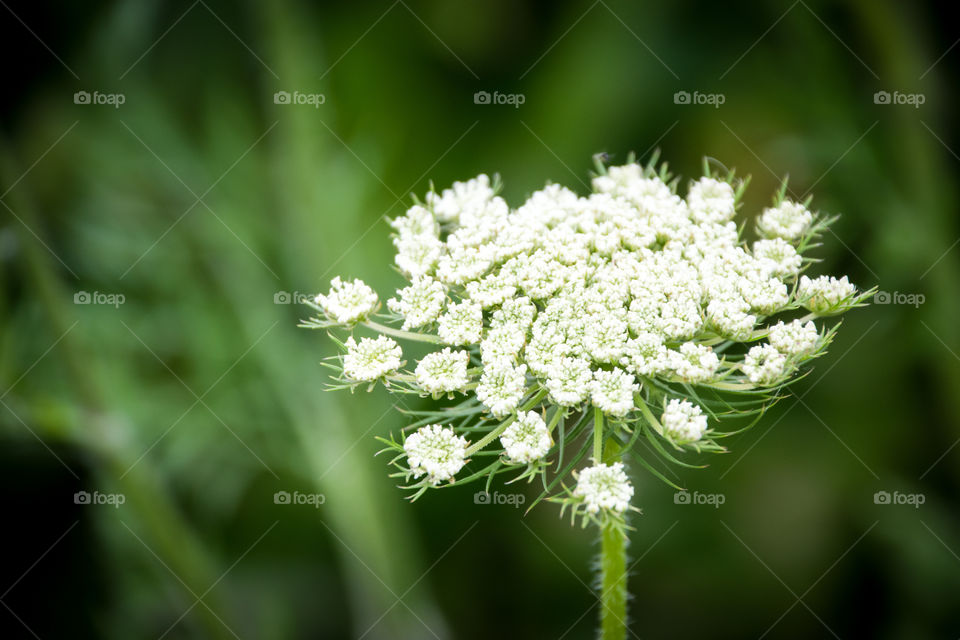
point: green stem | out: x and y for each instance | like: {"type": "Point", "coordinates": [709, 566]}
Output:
{"type": "Point", "coordinates": [613, 568]}
{"type": "Point", "coordinates": [645, 410]}
{"type": "Point", "coordinates": [400, 333]}
{"type": "Point", "coordinates": [613, 584]}
{"type": "Point", "coordinates": [490, 437]}
{"type": "Point", "coordinates": [597, 435]}
{"type": "Point", "coordinates": [558, 414]}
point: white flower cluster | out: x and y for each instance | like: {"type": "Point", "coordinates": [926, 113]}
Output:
{"type": "Point", "coordinates": [789, 221]}
{"type": "Point", "coordinates": [794, 338]}
{"type": "Point", "coordinates": [604, 486]}
{"type": "Point", "coordinates": [825, 294]}
{"type": "Point", "coordinates": [371, 359]}
{"type": "Point", "coordinates": [613, 299]}
{"type": "Point", "coordinates": [443, 371]}
{"type": "Point", "coordinates": [764, 365]}
{"type": "Point", "coordinates": [435, 451]}
{"type": "Point", "coordinates": [527, 439]}
{"type": "Point", "coordinates": [683, 421]}
{"type": "Point", "coordinates": [348, 302]}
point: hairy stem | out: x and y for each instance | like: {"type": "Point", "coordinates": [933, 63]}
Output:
{"type": "Point", "coordinates": [613, 584]}
{"type": "Point", "coordinates": [613, 568]}
{"type": "Point", "coordinates": [490, 437]}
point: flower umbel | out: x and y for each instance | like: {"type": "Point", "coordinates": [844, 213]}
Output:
{"type": "Point", "coordinates": [443, 372]}
{"type": "Point", "coordinates": [555, 327]}
{"type": "Point", "coordinates": [527, 439]}
{"type": "Point", "coordinates": [436, 452]}
{"type": "Point", "coordinates": [348, 302]}
{"type": "Point", "coordinates": [683, 421]}
{"type": "Point", "coordinates": [604, 487]}
{"type": "Point", "coordinates": [371, 359]}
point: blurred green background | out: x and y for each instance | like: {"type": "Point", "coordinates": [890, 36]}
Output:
{"type": "Point", "coordinates": [209, 207]}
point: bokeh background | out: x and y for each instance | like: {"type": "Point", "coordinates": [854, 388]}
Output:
{"type": "Point", "coordinates": [209, 208]}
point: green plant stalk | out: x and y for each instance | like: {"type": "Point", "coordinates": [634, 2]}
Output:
{"type": "Point", "coordinates": [613, 569]}
{"type": "Point", "coordinates": [613, 584]}
{"type": "Point", "coordinates": [597, 435]}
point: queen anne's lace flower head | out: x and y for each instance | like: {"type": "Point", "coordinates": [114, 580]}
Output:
{"type": "Point", "coordinates": [588, 310]}
{"type": "Point", "coordinates": [527, 439]}
{"type": "Point", "coordinates": [435, 451]}
{"type": "Point", "coordinates": [683, 421]}
{"type": "Point", "coordinates": [371, 359]}
{"type": "Point", "coordinates": [348, 302]}
{"type": "Point", "coordinates": [604, 487]}
{"type": "Point", "coordinates": [443, 371]}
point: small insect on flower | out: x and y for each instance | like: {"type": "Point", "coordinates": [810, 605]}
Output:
{"type": "Point", "coordinates": [435, 451]}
